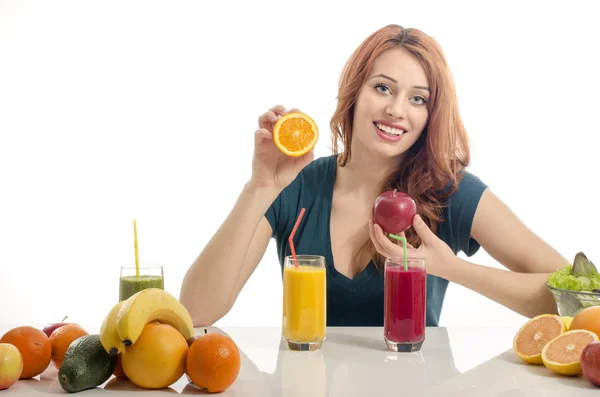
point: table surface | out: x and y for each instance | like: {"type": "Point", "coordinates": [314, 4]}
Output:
{"type": "Point", "coordinates": [354, 361]}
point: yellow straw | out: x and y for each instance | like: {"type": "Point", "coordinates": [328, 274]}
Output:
{"type": "Point", "coordinates": [135, 245]}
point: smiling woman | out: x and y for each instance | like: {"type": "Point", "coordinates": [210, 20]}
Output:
{"type": "Point", "coordinates": [403, 97]}
{"type": "Point", "coordinates": [396, 126]}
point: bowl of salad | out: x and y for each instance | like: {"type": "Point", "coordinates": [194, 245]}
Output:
{"type": "Point", "coordinates": [575, 286]}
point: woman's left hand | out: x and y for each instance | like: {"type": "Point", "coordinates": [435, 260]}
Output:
{"type": "Point", "coordinates": [436, 253]}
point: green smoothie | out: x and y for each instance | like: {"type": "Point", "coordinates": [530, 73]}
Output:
{"type": "Point", "coordinates": [129, 285]}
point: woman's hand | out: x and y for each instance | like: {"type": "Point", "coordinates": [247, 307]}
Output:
{"type": "Point", "coordinates": [435, 252]}
{"type": "Point", "coordinates": [270, 167]}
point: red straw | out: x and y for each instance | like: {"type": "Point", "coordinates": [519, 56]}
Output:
{"type": "Point", "coordinates": [292, 236]}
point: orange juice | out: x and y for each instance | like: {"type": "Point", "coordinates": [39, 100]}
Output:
{"type": "Point", "coordinates": [304, 304]}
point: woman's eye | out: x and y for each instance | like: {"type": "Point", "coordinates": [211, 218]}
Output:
{"type": "Point", "coordinates": [384, 89]}
{"type": "Point", "coordinates": [419, 100]}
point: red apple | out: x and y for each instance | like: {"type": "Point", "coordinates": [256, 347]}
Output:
{"type": "Point", "coordinates": [590, 362]}
{"type": "Point", "coordinates": [394, 211]}
{"type": "Point", "coordinates": [50, 328]}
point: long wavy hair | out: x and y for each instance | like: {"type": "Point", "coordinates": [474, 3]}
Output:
{"type": "Point", "coordinates": [430, 172]}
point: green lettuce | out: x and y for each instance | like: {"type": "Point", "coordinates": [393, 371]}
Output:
{"type": "Point", "coordinates": [564, 279]}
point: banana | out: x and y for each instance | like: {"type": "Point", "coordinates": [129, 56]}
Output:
{"type": "Point", "coordinates": [109, 337]}
{"type": "Point", "coordinates": [149, 305]}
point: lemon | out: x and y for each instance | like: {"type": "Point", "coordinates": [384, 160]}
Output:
{"type": "Point", "coordinates": [567, 320]}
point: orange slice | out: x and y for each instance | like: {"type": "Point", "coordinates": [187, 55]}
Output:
{"type": "Point", "coordinates": [563, 353]}
{"type": "Point", "coordinates": [535, 334]}
{"type": "Point", "coordinates": [295, 134]}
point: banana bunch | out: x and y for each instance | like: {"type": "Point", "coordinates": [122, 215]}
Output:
{"type": "Point", "coordinates": [125, 322]}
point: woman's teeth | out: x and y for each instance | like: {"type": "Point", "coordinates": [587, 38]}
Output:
{"type": "Point", "coordinates": [389, 130]}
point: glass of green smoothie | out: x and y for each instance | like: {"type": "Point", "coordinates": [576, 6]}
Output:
{"type": "Point", "coordinates": [132, 281]}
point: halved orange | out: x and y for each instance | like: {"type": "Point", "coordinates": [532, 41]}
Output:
{"type": "Point", "coordinates": [295, 134]}
{"type": "Point", "coordinates": [531, 338]}
{"type": "Point", "coordinates": [563, 353]}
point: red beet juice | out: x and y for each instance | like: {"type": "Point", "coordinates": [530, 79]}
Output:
{"type": "Point", "coordinates": [404, 306]}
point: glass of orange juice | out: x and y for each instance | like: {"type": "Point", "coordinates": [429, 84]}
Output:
{"type": "Point", "coordinates": [304, 302]}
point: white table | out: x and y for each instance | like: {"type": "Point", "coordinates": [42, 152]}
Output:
{"type": "Point", "coordinates": [355, 362]}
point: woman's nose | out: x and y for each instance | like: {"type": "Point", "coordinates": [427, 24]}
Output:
{"type": "Point", "coordinates": [396, 109]}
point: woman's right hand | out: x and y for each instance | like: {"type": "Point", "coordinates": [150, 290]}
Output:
{"type": "Point", "coordinates": [270, 167]}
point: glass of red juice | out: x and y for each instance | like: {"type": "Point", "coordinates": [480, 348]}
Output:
{"type": "Point", "coordinates": [404, 304]}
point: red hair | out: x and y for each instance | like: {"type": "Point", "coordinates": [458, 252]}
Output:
{"type": "Point", "coordinates": [431, 167]}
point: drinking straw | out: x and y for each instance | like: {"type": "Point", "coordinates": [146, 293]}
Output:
{"type": "Point", "coordinates": [135, 246]}
{"type": "Point", "coordinates": [403, 245]}
{"type": "Point", "coordinates": [291, 239]}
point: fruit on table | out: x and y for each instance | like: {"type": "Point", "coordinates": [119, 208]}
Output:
{"type": "Point", "coordinates": [11, 365]}
{"type": "Point", "coordinates": [157, 359]}
{"type": "Point", "coordinates": [86, 365]}
{"type": "Point", "coordinates": [567, 320]}
{"type": "Point", "coordinates": [34, 346]}
{"type": "Point", "coordinates": [590, 362]}
{"type": "Point", "coordinates": [50, 328]}
{"type": "Point", "coordinates": [394, 211]}
{"type": "Point", "coordinates": [563, 353]}
{"type": "Point", "coordinates": [108, 332]}
{"type": "Point", "coordinates": [295, 134]}
{"type": "Point", "coordinates": [118, 372]}
{"type": "Point", "coordinates": [61, 339]}
{"type": "Point", "coordinates": [588, 318]}
{"type": "Point", "coordinates": [213, 362]}
{"type": "Point", "coordinates": [152, 305]}
{"type": "Point", "coordinates": [533, 336]}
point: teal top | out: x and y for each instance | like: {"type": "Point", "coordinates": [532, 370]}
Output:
{"type": "Point", "coordinates": [359, 301]}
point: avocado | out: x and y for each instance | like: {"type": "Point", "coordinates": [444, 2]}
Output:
{"type": "Point", "coordinates": [86, 365]}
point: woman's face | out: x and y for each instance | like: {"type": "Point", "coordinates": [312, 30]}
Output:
{"type": "Point", "coordinates": [391, 108]}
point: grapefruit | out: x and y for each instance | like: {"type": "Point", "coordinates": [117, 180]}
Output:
{"type": "Point", "coordinates": [157, 359]}
{"type": "Point", "coordinates": [531, 338]}
{"type": "Point", "coordinates": [563, 353]}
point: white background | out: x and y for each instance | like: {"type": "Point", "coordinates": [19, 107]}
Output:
{"type": "Point", "coordinates": [116, 110]}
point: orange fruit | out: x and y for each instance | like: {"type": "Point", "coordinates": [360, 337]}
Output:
{"type": "Point", "coordinates": [34, 346]}
{"type": "Point", "coordinates": [588, 318]}
{"type": "Point", "coordinates": [61, 339]}
{"type": "Point", "coordinates": [213, 362]}
{"type": "Point", "coordinates": [157, 359]}
{"type": "Point", "coordinates": [534, 334]}
{"type": "Point", "coordinates": [563, 353]}
{"type": "Point", "coordinates": [295, 134]}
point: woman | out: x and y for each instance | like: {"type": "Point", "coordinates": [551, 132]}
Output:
{"type": "Point", "coordinates": [398, 121]}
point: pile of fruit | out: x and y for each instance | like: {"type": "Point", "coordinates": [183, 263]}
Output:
{"type": "Point", "coordinates": [148, 339]}
{"type": "Point", "coordinates": [565, 345]}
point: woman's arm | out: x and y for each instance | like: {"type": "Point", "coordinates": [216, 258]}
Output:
{"type": "Point", "coordinates": [225, 264]}
{"type": "Point", "coordinates": [497, 229]}
{"type": "Point", "coordinates": [524, 293]}
{"type": "Point", "coordinates": [500, 232]}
